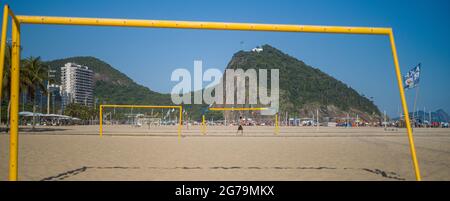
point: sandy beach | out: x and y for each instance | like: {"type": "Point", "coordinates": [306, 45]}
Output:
{"type": "Point", "coordinates": [297, 153]}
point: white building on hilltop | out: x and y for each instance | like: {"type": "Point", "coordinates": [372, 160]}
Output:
{"type": "Point", "coordinates": [77, 85]}
{"type": "Point", "coordinates": [257, 49]}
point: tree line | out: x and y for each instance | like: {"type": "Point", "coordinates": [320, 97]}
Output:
{"type": "Point", "coordinates": [33, 80]}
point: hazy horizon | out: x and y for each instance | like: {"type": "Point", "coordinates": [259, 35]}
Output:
{"type": "Point", "coordinates": [365, 63]}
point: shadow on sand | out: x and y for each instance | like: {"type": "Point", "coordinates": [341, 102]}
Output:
{"type": "Point", "coordinates": [69, 173]}
{"type": "Point", "coordinates": [34, 130]}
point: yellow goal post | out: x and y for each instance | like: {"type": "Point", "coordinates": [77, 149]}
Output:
{"type": "Point", "coordinates": [18, 20]}
{"type": "Point", "coordinates": [179, 107]}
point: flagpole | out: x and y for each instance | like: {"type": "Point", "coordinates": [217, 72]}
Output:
{"type": "Point", "coordinates": [423, 122]}
{"type": "Point", "coordinates": [415, 99]}
{"type": "Point", "coordinates": [415, 102]}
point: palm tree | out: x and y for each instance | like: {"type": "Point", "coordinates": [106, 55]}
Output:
{"type": "Point", "coordinates": [6, 78]}
{"type": "Point", "coordinates": [33, 76]}
{"type": "Point", "coordinates": [81, 111]}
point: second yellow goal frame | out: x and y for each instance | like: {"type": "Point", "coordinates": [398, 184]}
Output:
{"type": "Point", "coordinates": [203, 126]}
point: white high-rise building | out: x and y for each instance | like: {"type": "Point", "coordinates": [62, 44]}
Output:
{"type": "Point", "coordinates": [77, 84]}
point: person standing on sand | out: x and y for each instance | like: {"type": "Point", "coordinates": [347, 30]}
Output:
{"type": "Point", "coordinates": [240, 128]}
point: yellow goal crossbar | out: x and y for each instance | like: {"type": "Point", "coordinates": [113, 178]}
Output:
{"type": "Point", "coordinates": [179, 107]}
{"type": "Point", "coordinates": [18, 20]}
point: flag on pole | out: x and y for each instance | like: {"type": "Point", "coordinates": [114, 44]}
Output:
{"type": "Point", "coordinates": [412, 77]}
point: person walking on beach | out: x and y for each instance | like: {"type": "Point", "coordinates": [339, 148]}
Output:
{"type": "Point", "coordinates": [240, 128]}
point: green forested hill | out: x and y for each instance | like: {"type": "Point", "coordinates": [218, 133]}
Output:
{"type": "Point", "coordinates": [303, 89]}
{"type": "Point", "coordinates": [111, 85]}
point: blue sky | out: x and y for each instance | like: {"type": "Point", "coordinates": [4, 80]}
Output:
{"type": "Point", "coordinates": [150, 55]}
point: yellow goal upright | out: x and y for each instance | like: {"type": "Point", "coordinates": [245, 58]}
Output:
{"type": "Point", "coordinates": [179, 107]}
